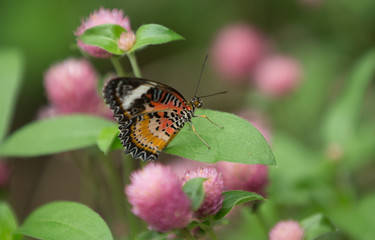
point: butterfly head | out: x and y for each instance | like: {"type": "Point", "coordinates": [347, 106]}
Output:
{"type": "Point", "coordinates": [195, 102]}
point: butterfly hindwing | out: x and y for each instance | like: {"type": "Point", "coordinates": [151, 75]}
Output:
{"type": "Point", "coordinates": [150, 114]}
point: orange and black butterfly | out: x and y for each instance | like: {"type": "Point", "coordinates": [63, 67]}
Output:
{"type": "Point", "coordinates": [149, 114]}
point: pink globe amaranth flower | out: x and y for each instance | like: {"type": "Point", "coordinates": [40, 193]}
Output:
{"type": "Point", "coordinates": [4, 173]}
{"type": "Point", "coordinates": [237, 176]}
{"type": "Point", "coordinates": [287, 230]}
{"type": "Point", "coordinates": [277, 76]}
{"type": "Point", "coordinates": [180, 165]}
{"type": "Point", "coordinates": [236, 50]}
{"type": "Point", "coordinates": [71, 88]}
{"type": "Point", "coordinates": [213, 188]}
{"type": "Point", "coordinates": [157, 198]}
{"type": "Point", "coordinates": [259, 121]}
{"type": "Point", "coordinates": [102, 16]}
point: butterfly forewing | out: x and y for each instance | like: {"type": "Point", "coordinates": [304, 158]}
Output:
{"type": "Point", "coordinates": [149, 114]}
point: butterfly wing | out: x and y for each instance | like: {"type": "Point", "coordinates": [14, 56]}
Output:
{"type": "Point", "coordinates": [150, 114]}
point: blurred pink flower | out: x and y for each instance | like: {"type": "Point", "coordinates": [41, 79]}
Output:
{"type": "Point", "coordinates": [259, 121]}
{"type": "Point", "coordinates": [4, 173]}
{"type": "Point", "coordinates": [102, 16]}
{"type": "Point", "coordinates": [157, 198]}
{"type": "Point", "coordinates": [71, 88]}
{"type": "Point", "coordinates": [237, 176]}
{"type": "Point", "coordinates": [277, 75]}
{"type": "Point", "coordinates": [126, 41]}
{"type": "Point", "coordinates": [213, 188]}
{"type": "Point", "coordinates": [287, 230]}
{"type": "Point", "coordinates": [180, 165]}
{"type": "Point", "coordinates": [236, 50]}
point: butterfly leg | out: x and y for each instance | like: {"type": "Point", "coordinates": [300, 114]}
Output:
{"type": "Point", "coordinates": [192, 126]}
{"type": "Point", "coordinates": [204, 116]}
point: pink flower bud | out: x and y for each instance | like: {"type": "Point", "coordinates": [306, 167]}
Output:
{"type": "Point", "coordinates": [4, 173]}
{"type": "Point", "coordinates": [157, 198]}
{"type": "Point", "coordinates": [237, 176]}
{"type": "Point", "coordinates": [277, 75]}
{"type": "Point", "coordinates": [103, 16]}
{"type": "Point", "coordinates": [126, 41]}
{"type": "Point", "coordinates": [71, 88]}
{"type": "Point", "coordinates": [287, 230]}
{"type": "Point", "coordinates": [236, 50]}
{"type": "Point", "coordinates": [213, 188]}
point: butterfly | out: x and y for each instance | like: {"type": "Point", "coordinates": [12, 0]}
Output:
{"type": "Point", "coordinates": [149, 114]}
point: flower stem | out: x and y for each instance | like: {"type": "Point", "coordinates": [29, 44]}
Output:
{"type": "Point", "coordinates": [186, 234]}
{"type": "Point", "coordinates": [118, 67]}
{"type": "Point", "coordinates": [209, 230]}
{"type": "Point", "coordinates": [115, 184]}
{"type": "Point", "coordinates": [134, 63]}
{"type": "Point", "coordinates": [133, 221]}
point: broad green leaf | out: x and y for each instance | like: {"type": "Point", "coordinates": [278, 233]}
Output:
{"type": "Point", "coordinates": [65, 220]}
{"type": "Point", "coordinates": [104, 36]}
{"type": "Point", "coordinates": [238, 141]}
{"type": "Point", "coordinates": [8, 223]}
{"type": "Point", "coordinates": [54, 135]}
{"type": "Point", "coordinates": [11, 69]}
{"type": "Point", "coordinates": [195, 191]}
{"type": "Point", "coordinates": [342, 121]}
{"type": "Point", "coordinates": [151, 34]}
{"type": "Point", "coordinates": [106, 138]}
{"type": "Point", "coordinates": [234, 198]}
{"type": "Point", "coordinates": [316, 226]}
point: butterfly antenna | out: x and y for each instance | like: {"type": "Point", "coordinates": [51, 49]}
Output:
{"type": "Point", "coordinates": [213, 94]}
{"type": "Point", "coordinates": [200, 76]}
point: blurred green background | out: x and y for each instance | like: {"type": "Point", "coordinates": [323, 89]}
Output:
{"type": "Point", "coordinates": [329, 38]}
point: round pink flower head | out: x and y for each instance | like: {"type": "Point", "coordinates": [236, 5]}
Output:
{"type": "Point", "coordinates": [103, 16]}
{"type": "Point", "coordinates": [236, 50]}
{"type": "Point", "coordinates": [4, 173]}
{"type": "Point", "coordinates": [259, 121]}
{"type": "Point", "coordinates": [287, 230]}
{"type": "Point", "coordinates": [71, 88]}
{"type": "Point", "coordinates": [213, 188]}
{"type": "Point", "coordinates": [237, 176]}
{"type": "Point", "coordinates": [157, 198]}
{"type": "Point", "coordinates": [277, 76]}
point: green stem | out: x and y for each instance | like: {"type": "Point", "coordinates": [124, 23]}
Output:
{"type": "Point", "coordinates": [116, 186]}
{"type": "Point", "coordinates": [261, 221]}
{"type": "Point", "coordinates": [133, 222]}
{"type": "Point", "coordinates": [134, 63]}
{"type": "Point", "coordinates": [118, 67]}
{"type": "Point", "coordinates": [209, 230]}
{"type": "Point", "coordinates": [186, 234]}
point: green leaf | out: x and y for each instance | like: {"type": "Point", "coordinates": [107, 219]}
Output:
{"type": "Point", "coordinates": [104, 36]}
{"type": "Point", "coordinates": [11, 69]}
{"type": "Point", "coordinates": [106, 138]}
{"type": "Point", "coordinates": [8, 223]}
{"type": "Point", "coordinates": [65, 220]}
{"type": "Point", "coordinates": [151, 34]}
{"type": "Point", "coordinates": [234, 198]}
{"type": "Point", "coordinates": [195, 191]}
{"type": "Point", "coordinates": [316, 226]}
{"type": "Point", "coordinates": [238, 141]}
{"type": "Point", "coordinates": [342, 121]}
{"type": "Point", "coordinates": [54, 135]}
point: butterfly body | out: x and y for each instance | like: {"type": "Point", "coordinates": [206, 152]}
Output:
{"type": "Point", "coordinates": [150, 114]}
